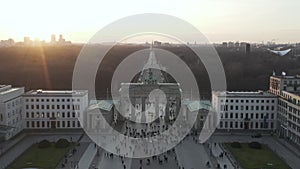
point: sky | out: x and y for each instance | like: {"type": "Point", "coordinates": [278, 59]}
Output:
{"type": "Point", "coordinates": [219, 20]}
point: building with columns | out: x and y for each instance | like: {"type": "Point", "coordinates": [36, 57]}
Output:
{"type": "Point", "coordinates": [147, 101]}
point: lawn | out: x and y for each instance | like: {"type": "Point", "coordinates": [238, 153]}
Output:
{"type": "Point", "coordinates": [46, 158]}
{"type": "Point", "coordinates": [251, 158]}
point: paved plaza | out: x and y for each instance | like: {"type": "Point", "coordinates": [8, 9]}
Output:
{"type": "Point", "coordinates": [189, 154]}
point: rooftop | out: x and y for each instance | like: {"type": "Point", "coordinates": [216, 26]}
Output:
{"type": "Point", "coordinates": [286, 77]}
{"type": "Point", "coordinates": [56, 93]}
{"type": "Point", "coordinates": [244, 94]}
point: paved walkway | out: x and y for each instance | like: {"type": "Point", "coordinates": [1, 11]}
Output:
{"type": "Point", "coordinates": [216, 151]}
{"type": "Point", "coordinates": [112, 163]}
{"type": "Point", "coordinates": [192, 155]}
{"type": "Point", "coordinates": [72, 159]}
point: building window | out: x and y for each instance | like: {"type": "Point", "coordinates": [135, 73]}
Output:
{"type": "Point", "coordinates": [272, 125]}
{"type": "Point", "coordinates": [272, 116]}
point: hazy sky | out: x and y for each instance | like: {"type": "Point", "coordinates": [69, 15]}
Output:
{"type": "Point", "coordinates": [219, 20]}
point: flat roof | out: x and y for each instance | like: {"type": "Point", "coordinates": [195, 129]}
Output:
{"type": "Point", "coordinates": [286, 77]}
{"type": "Point", "coordinates": [295, 93]}
{"type": "Point", "coordinates": [244, 94]}
{"type": "Point", "coordinates": [55, 93]}
{"type": "Point", "coordinates": [8, 91]}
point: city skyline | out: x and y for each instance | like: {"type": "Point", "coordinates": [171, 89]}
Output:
{"type": "Point", "coordinates": [219, 21]}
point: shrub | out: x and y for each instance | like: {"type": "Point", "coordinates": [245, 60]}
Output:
{"type": "Point", "coordinates": [44, 144]}
{"type": "Point", "coordinates": [236, 145]}
{"type": "Point", "coordinates": [62, 143]}
{"type": "Point", "coordinates": [255, 145]}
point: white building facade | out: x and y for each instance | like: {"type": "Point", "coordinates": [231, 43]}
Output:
{"type": "Point", "coordinates": [54, 109]}
{"type": "Point", "coordinates": [288, 90]}
{"type": "Point", "coordinates": [11, 121]}
{"type": "Point", "coordinates": [245, 110]}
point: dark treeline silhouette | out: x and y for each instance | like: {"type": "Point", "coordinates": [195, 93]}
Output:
{"type": "Point", "coordinates": [52, 67]}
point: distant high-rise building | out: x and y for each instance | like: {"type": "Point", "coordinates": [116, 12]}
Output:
{"type": "Point", "coordinates": [53, 38]}
{"type": "Point", "coordinates": [26, 40]}
{"type": "Point", "coordinates": [237, 44]}
{"type": "Point", "coordinates": [248, 48]}
{"type": "Point", "coordinates": [61, 40]}
{"type": "Point", "coordinates": [230, 44]}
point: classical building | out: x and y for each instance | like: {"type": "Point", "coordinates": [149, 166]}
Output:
{"type": "Point", "coordinates": [95, 122]}
{"type": "Point", "coordinates": [11, 122]}
{"type": "Point", "coordinates": [144, 108]}
{"type": "Point", "coordinates": [288, 90]}
{"type": "Point", "coordinates": [246, 110]}
{"type": "Point", "coordinates": [44, 109]}
{"type": "Point", "coordinates": [284, 83]}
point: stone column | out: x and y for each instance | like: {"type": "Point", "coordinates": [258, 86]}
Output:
{"type": "Point", "coordinates": [132, 112]}
{"type": "Point", "coordinates": [167, 111]}
{"type": "Point", "coordinates": [157, 107]}
{"type": "Point", "coordinates": [143, 118]}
